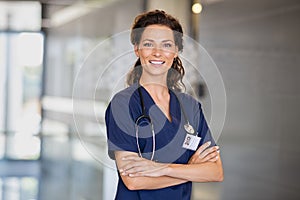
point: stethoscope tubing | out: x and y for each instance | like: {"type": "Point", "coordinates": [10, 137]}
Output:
{"type": "Point", "coordinates": [137, 136]}
{"type": "Point", "coordinates": [187, 126]}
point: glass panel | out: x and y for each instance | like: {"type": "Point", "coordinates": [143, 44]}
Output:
{"type": "Point", "coordinates": [29, 188]}
{"type": "Point", "coordinates": [22, 89]}
{"type": "Point", "coordinates": [20, 15]}
{"type": "Point", "coordinates": [2, 92]}
{"type": "Point", "coordinates": [2, 79]}
{"type": "Point", "coordinates": [11, 188]}
{"type": "Point", "coordinates": [15, 188]}
{"type": "Point", "coordinates": [2, 145]}
{"type": "Point", "coordinates": [23, 147]}
{"type": "Point", "coordinates": [1, 190]}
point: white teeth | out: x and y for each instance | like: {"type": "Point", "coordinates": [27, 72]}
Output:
{"type": "Point", "coordinates": [156, 62]}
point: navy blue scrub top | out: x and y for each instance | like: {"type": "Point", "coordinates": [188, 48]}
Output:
{"type": "Point", "coordinates": [120, 116]}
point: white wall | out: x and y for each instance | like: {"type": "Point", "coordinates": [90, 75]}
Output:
{"type": "Point", "coordinates": [256, 47]}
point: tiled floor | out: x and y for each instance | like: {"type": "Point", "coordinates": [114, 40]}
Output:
{"type": "Point", "coordinates": [253, 170]}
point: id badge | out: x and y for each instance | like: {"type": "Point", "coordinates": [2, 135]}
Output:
{"type": "Point", "coordinates": [191, 142]}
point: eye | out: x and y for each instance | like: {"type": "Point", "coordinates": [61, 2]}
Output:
{"type": "Point", "coordinates": [167, 45]}
{"type": "Point", "coordinates": [147, 44]}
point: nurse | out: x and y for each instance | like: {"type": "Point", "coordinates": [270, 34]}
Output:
{"type": "Point", "coordinates": [156, 133]}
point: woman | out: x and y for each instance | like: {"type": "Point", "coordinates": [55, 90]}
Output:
{"type": "Point", "coordinates": [157, 134]}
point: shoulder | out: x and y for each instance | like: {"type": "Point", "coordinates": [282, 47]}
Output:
{"type": "Point", "coordinates": [190, 106]}
{"type": "Point", "coordinates": [188, 100]}
{"type": "Point", "coordinates": [125, 94]}
{"type": "Point", "coordinates": [120, 106]}
{"type": "Point", "coordinates": [124, 97]}
{"type": "Point", "coordinates": [122, 100]}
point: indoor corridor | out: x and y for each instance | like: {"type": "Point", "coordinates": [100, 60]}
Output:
{"type": "Point", "coordinates": [61, 61]}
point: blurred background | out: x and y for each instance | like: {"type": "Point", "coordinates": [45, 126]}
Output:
{"type": "Point", "coordinates": [46, 155]}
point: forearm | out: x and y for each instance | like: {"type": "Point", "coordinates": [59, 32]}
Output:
{"type": "Point", "coordinates": [204, 172]}
{"type": "Point", "coordinates": [142, 182]}
{"type": "Point", "coordinates": [150, 183]}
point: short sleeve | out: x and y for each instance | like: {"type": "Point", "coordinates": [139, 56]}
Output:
{"type": "Point", "coordinates": [119, 127]}
{"type": "Point", "coordinates": [203, 129]}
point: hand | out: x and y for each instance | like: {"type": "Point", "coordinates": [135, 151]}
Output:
{"type": "Point", "coordinates": [137, 166]}
{"type": "Point", "coordinates": [205, 154]}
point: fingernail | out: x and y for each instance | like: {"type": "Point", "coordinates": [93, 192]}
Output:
{"type": "Point", "coordinates": [123, 173]}
{"type": "Point", "coordinates": [121, 170]}
{"type": "Point", "coordinates": [209, 142]}
{"type": "Point", "coordinates": [131, 175]}
{"type": "Point", "coordinates": [218, 151]}
{"type": "Point", "coordinates": [217, 157]}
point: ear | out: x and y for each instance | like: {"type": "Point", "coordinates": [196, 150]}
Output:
{"type": "Point", "coordinates": [136, 50]}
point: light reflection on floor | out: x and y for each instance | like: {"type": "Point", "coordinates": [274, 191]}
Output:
{"type": "Point", "coordinates": [252, 171]}
{"type": "Point", "coordinates": [58, 175]}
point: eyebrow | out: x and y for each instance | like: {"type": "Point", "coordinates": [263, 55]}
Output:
{"type": "Point", "coordinates": [150, 40]}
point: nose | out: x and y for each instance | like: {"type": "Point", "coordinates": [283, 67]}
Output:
{"type": "Point", "coordinates": [156, 51]}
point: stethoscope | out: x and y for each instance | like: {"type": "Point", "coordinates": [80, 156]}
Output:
{"type": "Point", "coordinates": [144, 117]}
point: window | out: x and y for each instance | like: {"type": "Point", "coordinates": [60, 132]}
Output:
{"type": "Point", "coordinates": [21, 59]}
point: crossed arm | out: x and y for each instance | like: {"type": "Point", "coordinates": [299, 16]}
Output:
{"type": "Point", "coordinates": [138, 173]}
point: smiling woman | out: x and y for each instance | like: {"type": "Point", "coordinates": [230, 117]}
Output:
{"type": "Point", "coordinates": [160, 140]}
{"type": "Point", "coordinates": [156, 52]}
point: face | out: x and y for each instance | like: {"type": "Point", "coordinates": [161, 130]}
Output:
{"type": "Point", "coordinates": [156, 50]}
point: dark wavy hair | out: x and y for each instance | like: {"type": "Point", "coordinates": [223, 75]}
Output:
{"type": "Point", "coordinates": [176, 72]}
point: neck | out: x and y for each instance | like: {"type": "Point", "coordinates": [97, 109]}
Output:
{"type": "Point", "coordinates": [153, 80]}
{"type": "Point", "coordinates": [155, 87]}
{"type": "Point", "coordinates": [159, 92]}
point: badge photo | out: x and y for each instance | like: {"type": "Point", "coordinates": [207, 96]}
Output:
{"type": "Point", "coordinates": [191, 142]}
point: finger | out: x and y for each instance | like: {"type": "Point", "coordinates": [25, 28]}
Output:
{"type": "Point", "coordinates": [131, 164]}
{"type": "Point", "coordinates": [141, 170]}
{"type": "Point", "coordinates": [206, 158]}
{"type": "Point", "coordinates": [135, 170]}
{"type": "Point", "coordinates": [207, 155]}
{"type": "Point", "coordinates": [213, 157]}
{"type": "Point", "coordinates": [132, 169]}
{"type": "Point", "coordinates": [133, 158]}
{"type": "Point", "coordinates": [208, 151]}
{"type": "Point", "coordinates": [202, 148]}
{"type": "Point", "coordinates": [193, 157]}
{"type": "Point", "coordinates": [192, 160]}
{"type": "Point", "coordinates": [196, 159]}
{"type": "Point", "coordinates": [136, 175]}
{"type": "Point", "coordinates": [145, 173]}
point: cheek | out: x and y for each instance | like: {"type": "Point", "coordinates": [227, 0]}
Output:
{"type": "Point", "coordinates": [170, 55]}
{"type": "Point", "coordinates": [144, 53]}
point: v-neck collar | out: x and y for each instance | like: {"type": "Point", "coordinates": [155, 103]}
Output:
{"type": "Point", "coordinates": [153, 103]}
{"type": "Point", "coordinates": [172, 110]}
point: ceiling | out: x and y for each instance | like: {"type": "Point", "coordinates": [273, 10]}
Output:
{"type": "Point", "coordinates": [65, 15]}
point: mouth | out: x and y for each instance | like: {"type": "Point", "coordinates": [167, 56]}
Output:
{"type": "Point", "coordinates": [156, 62]}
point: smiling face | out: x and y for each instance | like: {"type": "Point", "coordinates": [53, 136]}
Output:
{"type": "Point", "coordinates": [156, 51]}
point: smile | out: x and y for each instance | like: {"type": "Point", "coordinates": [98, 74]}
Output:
{"type": "Point", "coordinates": [156, 62]}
